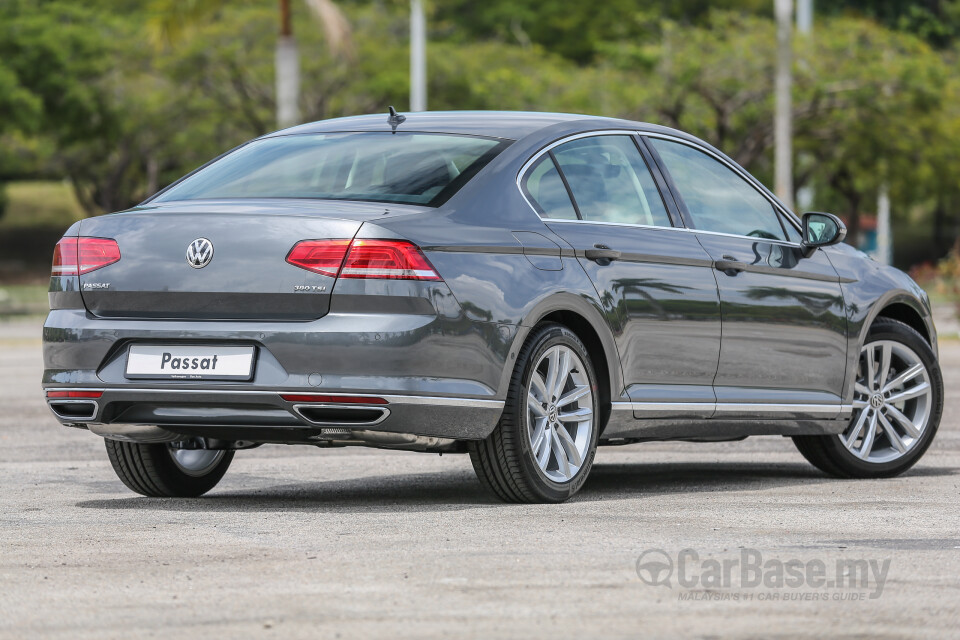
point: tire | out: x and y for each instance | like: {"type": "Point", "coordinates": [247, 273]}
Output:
{"type": "Point", "coordinates": [157, 471]}
{"type": "Point", "coordinates": [879, 456]}
{"type": "Point", "coordinates": [506, 461]}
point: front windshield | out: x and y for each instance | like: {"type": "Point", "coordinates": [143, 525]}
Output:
{"type": "Point", "coordinates": [408, 168]}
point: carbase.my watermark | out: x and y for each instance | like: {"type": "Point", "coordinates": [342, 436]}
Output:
{"type": "Point", "coordinates": [748, 570]}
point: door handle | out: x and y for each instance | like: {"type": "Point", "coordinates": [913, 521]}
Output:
{"type": "Point", "coordinates": [729, 265]}
{"type": "Point", "coordinates": [602, 254]}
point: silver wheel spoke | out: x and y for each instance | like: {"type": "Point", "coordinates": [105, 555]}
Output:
{"type": "Point", "coordinates": [904, 378]}
{"type": "Point", "coordinates": [921, 389]}
{"type": "Point", "coordinates": [539, 434]}
{"type": "Point", "coordinates": [903, 420]}
{"type": "Point", "coordinates": [575, 394]}
{"type": "Point", "coordinates": [538, 387]}
{"type": "Point", "coordinates": [868, 439]}
{"type": "Point", "coordinates": [892, 434]}
{"type": "Point", "coordinates": [569, 446]}
{"type": "Point", "coordinates": [884, 365]}
{"type": "Point", "coordinates": [543, 453]}
{"type": "Point", "coordinates": [563, 367]}
{"type": "Point", "coordinates": [860, 404]}
{"type": "Point", "coordinates": [577, 415]}
{"type": "Point", "coordinates": [858, 427]}
{"type": "Point", "coordinates": [533, 402]}
{"type": "Point", "coordinates": [862, 389]}
{"type": "Point", "coordinates": [553, 369]}
{"type": "Point", "coordinates": [560, 455]}
{"type": "Point", "coordinates": [871, 369]}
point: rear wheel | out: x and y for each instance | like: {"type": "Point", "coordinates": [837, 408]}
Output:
{"type": "Point", "coordinates": [160, 470]}
{"type": "Point", "coordinates": [543, 448]}
{"type": "Point", "coordinates": [897, 403]}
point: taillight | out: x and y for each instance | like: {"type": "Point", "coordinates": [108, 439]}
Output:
{"type": "Point", "coordinates": [320, 256]}
{"type": "Point", "coordinates": [77, 256]}
{"type": "Point", "coordinates": [386, 259]}
{"type": "Point", "coordinates": [391, 259]}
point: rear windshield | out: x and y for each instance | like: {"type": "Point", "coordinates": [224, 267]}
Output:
{"type": "Point", "coordinates": [409, 168]}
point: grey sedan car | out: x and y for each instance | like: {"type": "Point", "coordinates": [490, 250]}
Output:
{"type": "Point", "coordinates": [522, 287]}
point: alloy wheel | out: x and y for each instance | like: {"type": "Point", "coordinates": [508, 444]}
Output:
{"type": "Point", "coordinates": [892, 402]}
{"type": "Point", "coordinates": [560, 413]}
{"type": "Point", "coordinates": [196, 462]}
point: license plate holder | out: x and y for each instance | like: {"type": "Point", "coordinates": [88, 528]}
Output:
{"type": "Point", "coordinates": [190, 362]}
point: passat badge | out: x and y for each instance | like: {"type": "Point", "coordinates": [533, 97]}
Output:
{"type": "Point", "coordinates": [199, 253]}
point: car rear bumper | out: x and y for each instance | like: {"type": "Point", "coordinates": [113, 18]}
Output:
{"type": "Point", "coordinates": [422, 377]}
{"type": "Point", "coordinates": [147, 414]}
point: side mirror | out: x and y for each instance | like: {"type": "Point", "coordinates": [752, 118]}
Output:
{"type": "Point", "coordinates": [821, 230]}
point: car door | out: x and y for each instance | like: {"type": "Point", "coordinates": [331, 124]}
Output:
{"type": "Point", "coordinates": [599, 194]}
{"type": "Point", "coordinates": [783, 316]}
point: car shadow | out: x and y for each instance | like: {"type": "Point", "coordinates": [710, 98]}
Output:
{"type": "Point", "coordinates": [459, 489]}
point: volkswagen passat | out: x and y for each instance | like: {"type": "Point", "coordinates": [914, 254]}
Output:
{"type": "Point", "coordinates": [520, 287]}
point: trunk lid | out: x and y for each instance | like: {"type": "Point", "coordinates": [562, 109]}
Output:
{"type": "Point", "coordinates": [247, 277]}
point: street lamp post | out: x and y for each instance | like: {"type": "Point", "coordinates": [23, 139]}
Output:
{"type": "Point", "coordinates": [418, 57]}
{"type": "Point", "coordinates": [783, 114]}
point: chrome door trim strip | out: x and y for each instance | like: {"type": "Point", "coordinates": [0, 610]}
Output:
{"type": "Point", "coordinates": [832, 410]}
{"type": "Point", "coordinates": [681, 229]}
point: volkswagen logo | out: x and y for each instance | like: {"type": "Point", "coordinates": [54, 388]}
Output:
{"type": "Point", "coordinates": [199, 253]}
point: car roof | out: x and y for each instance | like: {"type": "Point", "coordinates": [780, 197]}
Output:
{"type": "Point", "coordinates": [511, 125]}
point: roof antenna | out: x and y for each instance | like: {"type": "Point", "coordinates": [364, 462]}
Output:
{"type": "Point", "coordinates": [395, 119]}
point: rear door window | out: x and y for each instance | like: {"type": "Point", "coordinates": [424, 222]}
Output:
{"type": "Point", "coordinates": [610, 181]}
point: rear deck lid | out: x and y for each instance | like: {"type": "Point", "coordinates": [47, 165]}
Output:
{"type": "Point", "coordinates": [218, 260]}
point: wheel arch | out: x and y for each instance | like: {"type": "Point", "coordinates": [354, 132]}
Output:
{"type": "Point", "coordinates": [906, 314]}
{"type": "Point", "coordinates": [588, 323]}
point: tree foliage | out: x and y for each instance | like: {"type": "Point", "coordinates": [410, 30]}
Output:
{"type": "Point", "coordinates": [87, 92]}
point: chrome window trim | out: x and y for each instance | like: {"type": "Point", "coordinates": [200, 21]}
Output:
{"type": "Point", "coordinates": [776, 204]}
{"type": "Point", "coordinates": [576, 136]}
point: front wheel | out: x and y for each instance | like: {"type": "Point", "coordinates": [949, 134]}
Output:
{"type": "Point", "coordinates": [162, 471]}
{"type": "Point", "coordinates": [898, 400]}
{"type": "Point", "coordinates": [543, 448]}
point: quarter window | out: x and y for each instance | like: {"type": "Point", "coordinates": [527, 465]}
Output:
{"type": "Point", "coordinates": [545, 186]}
{"type": "Point", "coordinates": [717, 198]}
{"type": "Point", "coordinates": [610, 182]}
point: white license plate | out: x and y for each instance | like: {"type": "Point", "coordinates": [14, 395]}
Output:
{"type": "Point", "coordinates": [190, 362]}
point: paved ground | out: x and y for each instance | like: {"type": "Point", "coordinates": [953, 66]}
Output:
{"type": "Point", "coordinates": [297, 542]}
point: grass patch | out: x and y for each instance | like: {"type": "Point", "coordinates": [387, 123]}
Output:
{"type": "Point", "coordinates": [40, 204]}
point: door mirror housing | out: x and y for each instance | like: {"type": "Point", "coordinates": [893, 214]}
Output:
{"type": "Point", "coordinates": [821, 230]}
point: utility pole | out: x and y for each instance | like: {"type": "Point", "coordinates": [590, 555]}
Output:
{"type": "Point", "coordinates": [287, 63]}
{"type": "Point", "coordinates": [783, 114]}
{"type": "Point", "coordinates": [804, 16]}
{"type": "Point", "coordinates": [418, 57]}
{"type": "Point", "coordinates": [805, 194]}
{"type": "Point", "coordinates": [883, 253]}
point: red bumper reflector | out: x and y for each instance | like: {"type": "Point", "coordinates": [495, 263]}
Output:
{"type": "Point", "coordinates": [74, 394]}
{"type": "Point", "coordinates": [319, 399]}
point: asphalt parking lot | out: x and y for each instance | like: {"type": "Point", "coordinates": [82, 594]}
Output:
{"type": "Point", "coordinates": [302, 542]}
